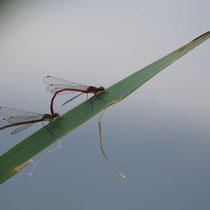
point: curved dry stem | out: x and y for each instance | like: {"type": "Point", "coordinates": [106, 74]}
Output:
{"type": "Point", "coordinates": [100, 134]}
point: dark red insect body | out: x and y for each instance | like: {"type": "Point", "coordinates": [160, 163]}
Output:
{"type": "Point", "coordinates": [90, 89]}
{"type": "Point", "coordinates": [16, 117]}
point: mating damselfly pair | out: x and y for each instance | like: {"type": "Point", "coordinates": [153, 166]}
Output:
{"type": "Point", "coordinates": [24, 119]}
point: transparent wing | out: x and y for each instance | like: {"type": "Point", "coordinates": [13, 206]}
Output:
{"type": "Point", "coordinates": [55, 84]}
{"type": "Point", "coordinates": [8, 112]}
{"type": "Point", "coordinates": [55, 80]}
{"type": "Point", "coordinates": [17, 116]}
{"type": "Point", "coordinates": [3, 122]}
{"type": "Point", "coordinates": [54, 88]}
{"type": "Point", "coordinates": [23, 118]}
{"type": "Point", "coordinates": [21, 128]}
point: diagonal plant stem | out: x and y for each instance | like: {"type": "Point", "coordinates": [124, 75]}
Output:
{"type": "Point", "coordinates": [42, 138]}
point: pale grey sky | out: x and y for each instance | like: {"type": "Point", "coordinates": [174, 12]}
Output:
{"type": "Point", "coordinates": [158, 137]}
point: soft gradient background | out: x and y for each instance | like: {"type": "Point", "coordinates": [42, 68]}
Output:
{"type": "Point", "coordinates": [158, 137]}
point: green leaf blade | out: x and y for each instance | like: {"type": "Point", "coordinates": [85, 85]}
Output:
{"type": "Point", "coordinates": [43, 138]}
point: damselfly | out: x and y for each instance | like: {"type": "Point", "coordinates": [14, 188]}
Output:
{"type": "Point", "coordinates": [60, 86]}
{"type": "Point", "coordinates": [15, 117]}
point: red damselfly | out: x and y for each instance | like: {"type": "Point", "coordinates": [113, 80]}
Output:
{"type": "Point", "coordinates": [15, 117]}
{"type": "Point", "coordinates": [60, 86]}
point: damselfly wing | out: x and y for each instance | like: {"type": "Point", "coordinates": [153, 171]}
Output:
{"type": "Point", "coordinates": [59, 86]}
{"type": "Point", "coordinates": [15, 117]}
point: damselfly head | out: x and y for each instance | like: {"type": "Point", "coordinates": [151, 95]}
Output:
{"type": "Point", "coordinates": [102, 89]}
{"type": "Point", "coordinates": [48, 117]}
{"type": "Point", "coordinates": [56, 115]}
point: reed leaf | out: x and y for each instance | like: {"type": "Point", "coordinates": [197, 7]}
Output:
{"type": "Point", "coordinates": [19, 156]}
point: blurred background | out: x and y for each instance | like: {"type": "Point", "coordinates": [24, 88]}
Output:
{"type": "Point", "coordinates": [158, 137]}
